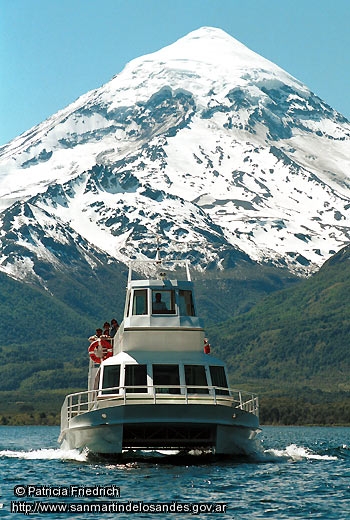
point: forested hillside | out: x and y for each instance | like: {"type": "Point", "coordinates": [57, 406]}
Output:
{"type": "Point", "coordinates": [43, 332]}
{"type": "Point", "coordinates": [294, 343]}
{"type": "Point", "coordinates": [44, 336]}
{"type": "Point", "coordinates": [290, 347]}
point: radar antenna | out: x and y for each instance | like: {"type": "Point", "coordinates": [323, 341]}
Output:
{"type": "Point", "coordinates": [158, 259]}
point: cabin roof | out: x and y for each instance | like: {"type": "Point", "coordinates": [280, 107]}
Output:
{"type": "Point", "coordinates": [159, 358]}
{"type": "Point", "coordinates": [161, 284]}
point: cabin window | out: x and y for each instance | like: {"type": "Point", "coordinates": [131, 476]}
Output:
{"type": "Point", "coordinates": [111, 377]}
{"type": "Point", "coordinates": [128, 305]}
{"type": "Point", "coordinates": [163, 302]}
{"type": "Point", "coordinates": [165, 376]}
{"type": "Point", "coordinates": [186, 303]}
{"type": "Point", "coordinates": [195, 375]}
{"type": "Point", "coordinates": [139, 305]}
{"type": "Point", "coordinates": [136, 375]}
{"type": "Point", "coordinates": [218, 378]}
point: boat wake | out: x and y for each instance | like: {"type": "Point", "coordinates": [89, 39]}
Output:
{"type": "Point", "coordinates": [294, 453]}
{"type": "Point", "coordinates": [291, 453]}
{"type": "Point", "coordinates": [171, 457]}
{"type": "Point", "coordinates": [45, 454]}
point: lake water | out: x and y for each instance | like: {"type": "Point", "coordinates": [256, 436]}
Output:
{"type": "Point", "coordinates": [297, 472]}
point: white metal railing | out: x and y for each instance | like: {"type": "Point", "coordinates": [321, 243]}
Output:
{"type": "Point", "coordinates": [82, 402]}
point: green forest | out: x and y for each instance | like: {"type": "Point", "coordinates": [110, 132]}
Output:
{"type": "Point", "coordinates": [288, 345]}
{"type": "Point", "coordinates": [292, 348]}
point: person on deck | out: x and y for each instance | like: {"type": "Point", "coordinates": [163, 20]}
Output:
{"type": "Point", "coordinates": [96, 336]}
{"type": "Point", "coordinates": [114, 328]}
{"type": "Point", "coordinates": [106, 329]}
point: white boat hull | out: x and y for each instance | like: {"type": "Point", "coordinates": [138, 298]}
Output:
{"type": "Point", "coordinates": [111, 430]}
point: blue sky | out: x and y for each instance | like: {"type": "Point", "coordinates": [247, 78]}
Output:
{"type": "Point", "coordinates": [52, 51]}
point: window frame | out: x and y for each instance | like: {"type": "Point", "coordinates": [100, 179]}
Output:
{"type": "Point", "coordinates": [217, 383]}
{"type": "Point", "coordinates": [190, 388]}
{"type": "Point", "coordinates": [135, 302]}
{"type": "Point", "coordinates": [128, 374]}
{"type": "Point", "coordinates": [170, 301]}
{"type": "Point", "coordinates": [161, 387]}
{"type": "Point", "coordinates": [186, 303]}
{"type": "Point", "coordinates": [106, 369]}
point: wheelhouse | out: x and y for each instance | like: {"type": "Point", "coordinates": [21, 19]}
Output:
{"type": "Point", "coordinates": [161, 300]}
{"type": "Point", "coordinates": [163, 307]}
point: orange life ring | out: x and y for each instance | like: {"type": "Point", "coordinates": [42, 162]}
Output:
{"type": "Point", "coordinates": [100, 350]}
{"type": "Point", "coordinates": [206, 346]}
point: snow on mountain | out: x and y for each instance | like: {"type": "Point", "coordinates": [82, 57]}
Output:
{"type": "Point", "coordinates": [218, 150]}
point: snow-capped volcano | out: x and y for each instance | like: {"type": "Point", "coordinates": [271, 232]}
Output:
{"type": "Point", "coordinates": [204, 142]}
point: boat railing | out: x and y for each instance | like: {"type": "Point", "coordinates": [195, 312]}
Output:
{"type": "Point", "coordinates": [82, 402]}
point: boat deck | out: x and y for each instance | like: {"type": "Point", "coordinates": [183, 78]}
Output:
{"type": "Point", "coordinates": [83, 402]}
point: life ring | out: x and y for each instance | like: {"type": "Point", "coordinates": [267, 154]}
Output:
{"type": "Point", "coordinates": [206, 346]}
{"type": "Point", "coordinates": [100, 350]}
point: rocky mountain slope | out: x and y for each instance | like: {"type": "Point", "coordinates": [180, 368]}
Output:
{"type": "Point", "coordinates": [224, 155]}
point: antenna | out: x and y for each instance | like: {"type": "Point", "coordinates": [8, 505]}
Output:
{"type": "Point", "coordinates": [158, 259]}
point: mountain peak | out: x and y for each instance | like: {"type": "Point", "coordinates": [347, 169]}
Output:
{"type": "Point", "coordinates": [203, 44]}
{"type": "Point", "coordinates": [210, 44]}
{"type": "Point", "coordinates": [207, 45]}
{"type": "Point", "coordinates": [210, 56]}
{"type": "Point", "coordinates": [229, 156]}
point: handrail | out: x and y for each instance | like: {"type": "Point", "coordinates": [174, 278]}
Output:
{"type": "Point", "coordinates": [81, 402]}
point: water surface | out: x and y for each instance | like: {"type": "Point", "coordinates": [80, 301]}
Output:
{"type": "Point", "coordinates": [296, 472]}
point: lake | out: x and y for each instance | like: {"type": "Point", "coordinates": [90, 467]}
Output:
{"type": "Point", "coordinates": [296, 472]}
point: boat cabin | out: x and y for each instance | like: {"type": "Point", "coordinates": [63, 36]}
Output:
{"type": "Point", "coordinates": [159, 347]}
{"type": "Point", "coordinates": [141, 376]}
{"type": "Point", "coordinates": [160, 316]}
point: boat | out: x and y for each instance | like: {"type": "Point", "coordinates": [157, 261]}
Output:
{"type": "Point", "coordinates": [156, 385]}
